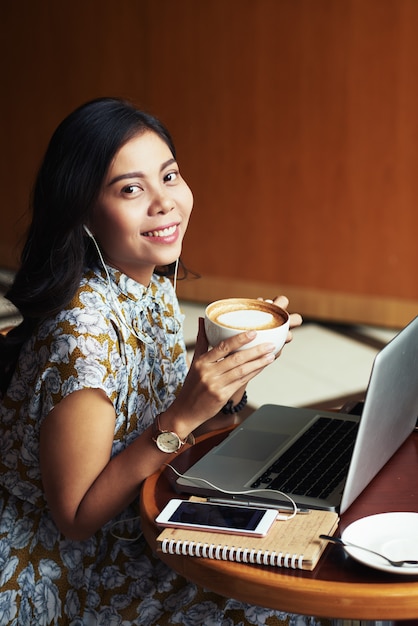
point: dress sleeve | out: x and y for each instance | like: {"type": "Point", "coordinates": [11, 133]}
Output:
{"type": "Point", "coordinates": [77, 351]}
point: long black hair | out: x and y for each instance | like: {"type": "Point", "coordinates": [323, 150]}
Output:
{"type": "Point", "coordinates": [69, 180]}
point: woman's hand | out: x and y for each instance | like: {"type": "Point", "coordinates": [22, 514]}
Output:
{"type": "Point", "coordinates": [294, 318]}
{"type": "Point", "coordinates": [216, 375]}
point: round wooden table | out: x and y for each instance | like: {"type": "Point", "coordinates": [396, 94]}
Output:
{"type": "Point", "coordinates": [339, 586]}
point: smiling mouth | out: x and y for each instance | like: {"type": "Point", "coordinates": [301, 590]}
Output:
{"type": "Point", "coordinates": [164, 232]}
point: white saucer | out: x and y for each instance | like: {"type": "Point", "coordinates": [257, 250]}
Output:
{"type": "Point", "coordinates": [392, 534]}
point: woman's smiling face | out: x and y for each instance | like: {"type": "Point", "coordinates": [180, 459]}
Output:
{"type": "Point", "coordinates": [143, 208]}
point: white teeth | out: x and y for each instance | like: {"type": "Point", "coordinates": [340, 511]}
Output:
{"type": "Point", "coordinates": [165, 232]}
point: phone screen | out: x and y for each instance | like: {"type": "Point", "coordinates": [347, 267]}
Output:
{"type": "Point", "coordinates": [217, 515]}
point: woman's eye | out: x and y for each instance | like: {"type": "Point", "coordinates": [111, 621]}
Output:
{"type": "Point", "coordinates": [131, 189]}
{"type": "Point", "coordinates": [170, 177]}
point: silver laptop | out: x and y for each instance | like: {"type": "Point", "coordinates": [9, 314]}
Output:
{"type": "Point", "coordinates": [275, 450]}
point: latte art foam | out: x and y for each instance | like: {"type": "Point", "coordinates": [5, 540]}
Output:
{"type": "Point", "coordinates": [247, 318]}
{"type": "Point", "coordinates": [246, 314]}
{"type": "Point", "coordinates": [231, 316]}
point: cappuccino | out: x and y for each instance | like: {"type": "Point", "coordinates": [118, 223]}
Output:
{"type": "Point", "coordinates": [246, 314]}
{"type": "Point", "coordinates": [225, 318]}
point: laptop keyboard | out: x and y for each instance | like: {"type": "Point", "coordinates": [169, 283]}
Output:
{"type": "Point", "coordinates": [316, 463]}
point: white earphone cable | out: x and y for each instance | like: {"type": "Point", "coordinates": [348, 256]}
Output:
{"type": "Point", "coordinates": [148, 341]}
{"type": "Point", "coordinates": [246, 492]}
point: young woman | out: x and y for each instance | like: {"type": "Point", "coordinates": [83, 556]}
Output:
{"type": "Point", "coordinates": [95, 372]}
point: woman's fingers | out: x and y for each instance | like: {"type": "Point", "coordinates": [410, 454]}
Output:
{"type": "Point", "coordinates": [281, 301]}
{"type": "Point", "coordinates": [202, 345]}
{"type": "Point", "coordinates": [228, 346]}
{"type": "Point", "coordinates": [225, 365]}
{"type": "Point", "coordinates": [295, 319]}
{"type": "Point", "coordinates": [244, 362]}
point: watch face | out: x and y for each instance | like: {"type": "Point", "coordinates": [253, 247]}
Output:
{"type": "Point", "coordinates": [168, 442]}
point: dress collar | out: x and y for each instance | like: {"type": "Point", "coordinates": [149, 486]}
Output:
{"type": "Point", "coordinates": [131, 288]}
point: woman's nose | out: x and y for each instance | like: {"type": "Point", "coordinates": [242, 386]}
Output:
{"type": "Point", "coordinates": [162, 202]}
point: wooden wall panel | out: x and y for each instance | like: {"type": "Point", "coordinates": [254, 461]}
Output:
{"type": "Point", "coordinates": [295, 121]}
{"type": "Point", "coordinates": [300, 144]}
{"type": "Point", "coordinates": [55, 55]}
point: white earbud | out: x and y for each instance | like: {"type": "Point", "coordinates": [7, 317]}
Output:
{"type": "Point", "coordinates": [88, 231]}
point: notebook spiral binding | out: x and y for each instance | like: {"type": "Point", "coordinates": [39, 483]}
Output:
{"type": "Point", "coordinates": [230, 553]}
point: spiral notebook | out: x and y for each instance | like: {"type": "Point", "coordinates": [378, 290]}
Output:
{"type": "Point", "coordinates": [293, 544]}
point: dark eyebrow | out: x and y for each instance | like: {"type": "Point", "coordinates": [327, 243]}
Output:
{"type": "Point", "coordinates": [138, 174]}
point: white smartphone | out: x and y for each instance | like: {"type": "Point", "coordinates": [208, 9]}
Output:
{"type": "Point", "coordinates": [221, 518]}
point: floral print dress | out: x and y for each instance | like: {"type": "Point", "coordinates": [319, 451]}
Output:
{"type": "Point", "coordinates": [125, 339]}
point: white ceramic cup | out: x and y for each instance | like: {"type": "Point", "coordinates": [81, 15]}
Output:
{"type": "Point", "coordinates": [231, 316]}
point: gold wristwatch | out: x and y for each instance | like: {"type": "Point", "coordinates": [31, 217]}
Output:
{"type": "Point", "coordinates": [167, 440]}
